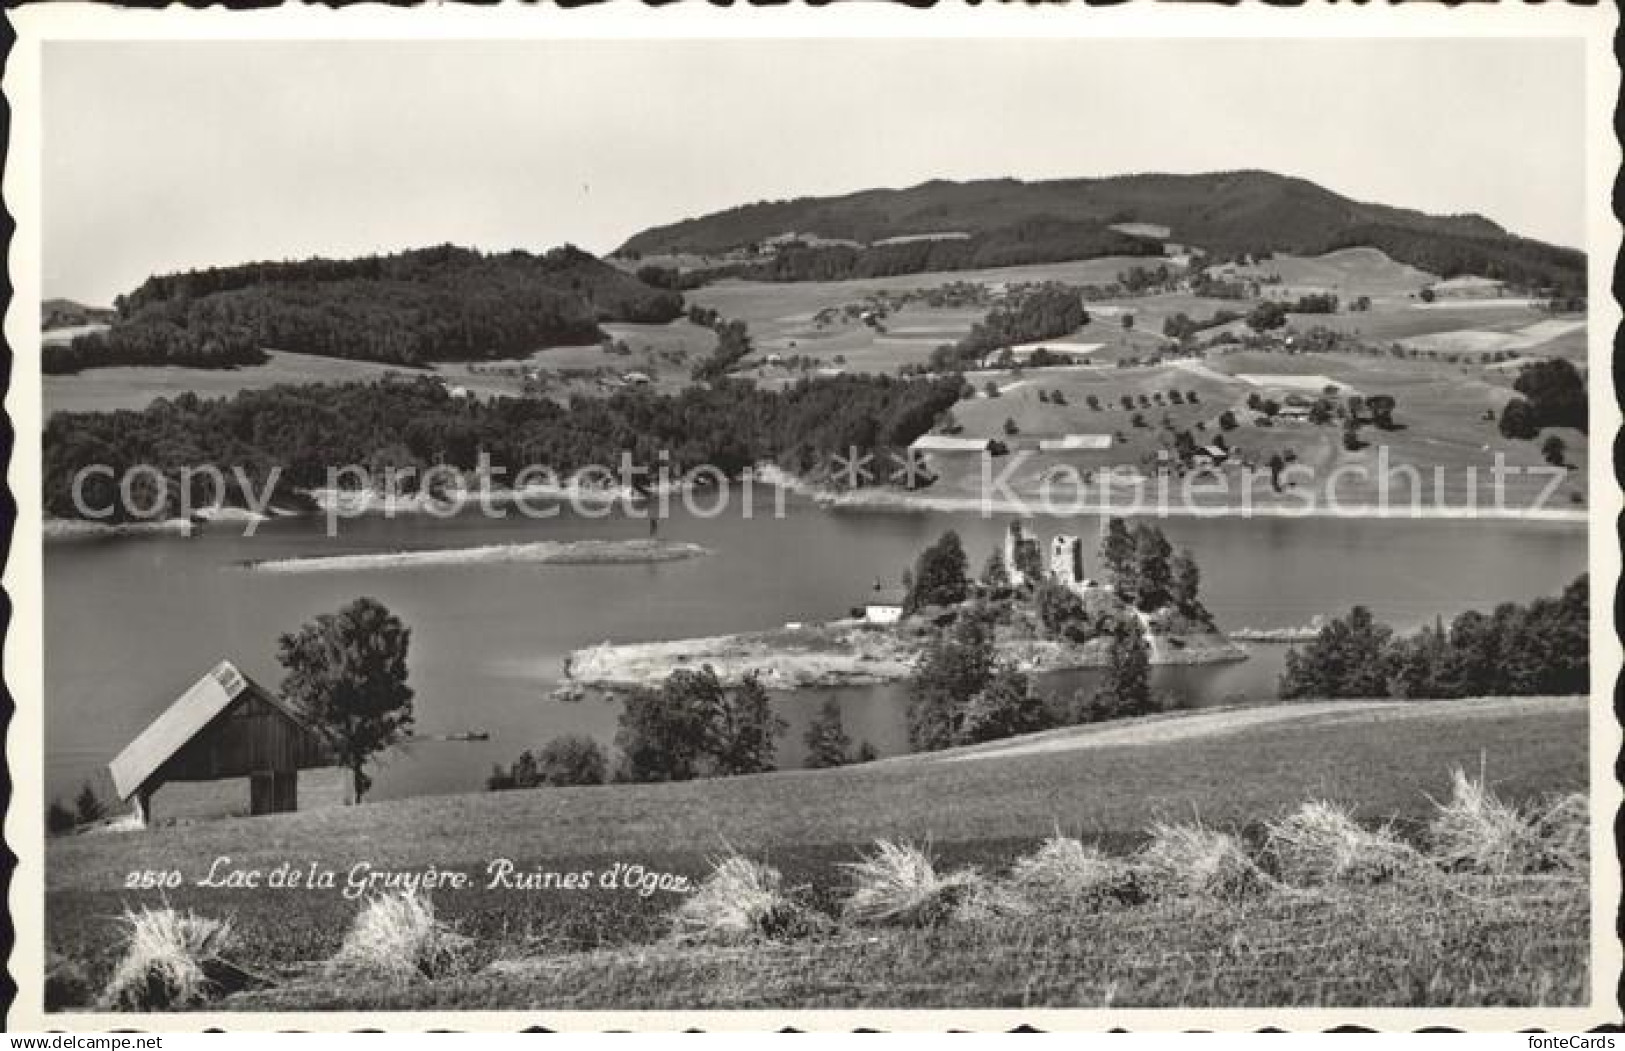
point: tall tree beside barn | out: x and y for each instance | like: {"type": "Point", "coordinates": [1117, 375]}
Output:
{"type": "Point", "coordinates": [346, 672]}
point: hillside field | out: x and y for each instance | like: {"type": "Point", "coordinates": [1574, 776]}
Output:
{"type": "Point", "coordinates": [780, 314]}
{"type": "Point", "coordinates": [780, 317]}
{"type": "Point", "coordinates": [1441, 412]}
{"type": "Point", "coordinates": [135, 387]}
{"type": "Point", "coordinates": [1349, 272]}
{"type": "Point", "coordinates": [1104, 783]}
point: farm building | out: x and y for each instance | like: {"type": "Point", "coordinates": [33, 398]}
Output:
{"type": "Point", "coordinates": [948, 443]}
{"type": "Point", "coordinates": [226, 726]}
{"type": "Point", "coordinates": [1468, 287]}
{"type": "Point", "coordinates": [883, 605]}
{"type": "Point", "coordinates": [1074, 442]}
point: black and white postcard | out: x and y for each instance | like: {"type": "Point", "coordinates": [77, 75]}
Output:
{"type": "Point", "coordinates": [731, 518]}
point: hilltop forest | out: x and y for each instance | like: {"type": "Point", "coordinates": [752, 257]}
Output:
{"type": "Point", "coordinates": [1228, 214]}
{"type": "Point", "coordinates": [1041, 239]}
{"type": "Point", "coordinates": [411, 309]}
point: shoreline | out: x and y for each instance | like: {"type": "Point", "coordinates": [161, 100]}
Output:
{"type": "Point", "coordinates": [1033, 505]}
{"type": "Point", "coordinates": [904, 502]}
{"type": "Point", "coordinates": [541, 552]}
{"type": "Point", "coordinates": [72, 530]}
{"type": "Point", "coordinates": [345, 502]}
{"type": "Point", "coordinates": [361, 503]}
{"type": "Point", "coordinates": [1285, 636]}
{"type": "Point", "coordinates": [67, 530]}
{"type": "Point", "coordinates": [844, 653]}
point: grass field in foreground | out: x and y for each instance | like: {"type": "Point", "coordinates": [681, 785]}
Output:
{"type": "Point", "coordinates": [1500, 943]}
{"type": "Point", "coordinates": [1385, 761]}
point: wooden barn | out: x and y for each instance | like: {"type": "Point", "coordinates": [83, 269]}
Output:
{"type": "Point", "coordinates": [226, 726]}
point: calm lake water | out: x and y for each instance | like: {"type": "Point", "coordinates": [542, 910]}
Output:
{"type": "Point", "coordinates": [130, 624]}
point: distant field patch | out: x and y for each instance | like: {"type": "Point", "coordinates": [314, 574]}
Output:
{"type": "Point", "coordinates": [652, 348]}
{"type": "Point", "coordinates": [1504, 303]}
{"type": "Point", "coordinates": [1148, 230]}
{"type": "Point", "coordinates": [1544, 330]}
{"type": "Point", "coordinates": [135, 387]}
{"type": "Point", "coordinates": [1399, 322]}
{"type": "Point", "coordinates": [1069, 442]}
{"type": "Point", "coordinates": [1479, 341]}
{"type": "Point", "coordinates": [1081, 349]}
{"type": "Point", "coordinates": [1348, 271]}
{"type": "Point", "coordinates": [903, 239]}
{"type": "Point", "coordinates": [59, 336]}
{"type": "Point", "coordinates": [1313, 384]}
{"type": "Point", "coordinates": [1469, 341]}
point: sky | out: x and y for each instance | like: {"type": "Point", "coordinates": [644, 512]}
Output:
{"type": "Point", "coordinates": [161, 156]}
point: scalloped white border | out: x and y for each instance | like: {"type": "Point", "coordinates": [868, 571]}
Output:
{"type": "Point", "coordinates": [37, 26]}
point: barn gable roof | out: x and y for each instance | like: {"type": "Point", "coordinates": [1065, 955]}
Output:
{"type": "Point", "coordinates": [199, 706]}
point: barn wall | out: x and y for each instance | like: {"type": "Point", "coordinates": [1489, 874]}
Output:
{"type": "Point", "coordinates": [181, 802]}
{"type": "Point", "coordinates": [251, 735]}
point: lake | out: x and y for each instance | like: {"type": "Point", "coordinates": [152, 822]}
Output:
{"type": "Point", "coordinates": [129, 624]}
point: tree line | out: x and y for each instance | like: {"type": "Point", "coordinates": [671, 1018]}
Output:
{"type": "Point", "coordinates": [690, 726]}
{"type": "Point", "coordinates": [155, 339]}
{"type": "Point", "coordinates": [1553, 395]}
{"type": "Point", "coordinates": [1543, 647]}
{"type": "Point", "coordinates": [1181, 326]}
{"type": "Point", "coordinates": [1039, 239]}
{"type": "Point", "coordinates": [412, 422]}
{"type": "Point", "coordinates": [1043, 311]}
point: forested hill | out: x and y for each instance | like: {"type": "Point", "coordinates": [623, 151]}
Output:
{"type": "Point", "coordinates": [1226, 213]}
{"type": "Point", "coordinates": [432, 304]}
{"type": "Point", "coordinates": [65, 313]}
